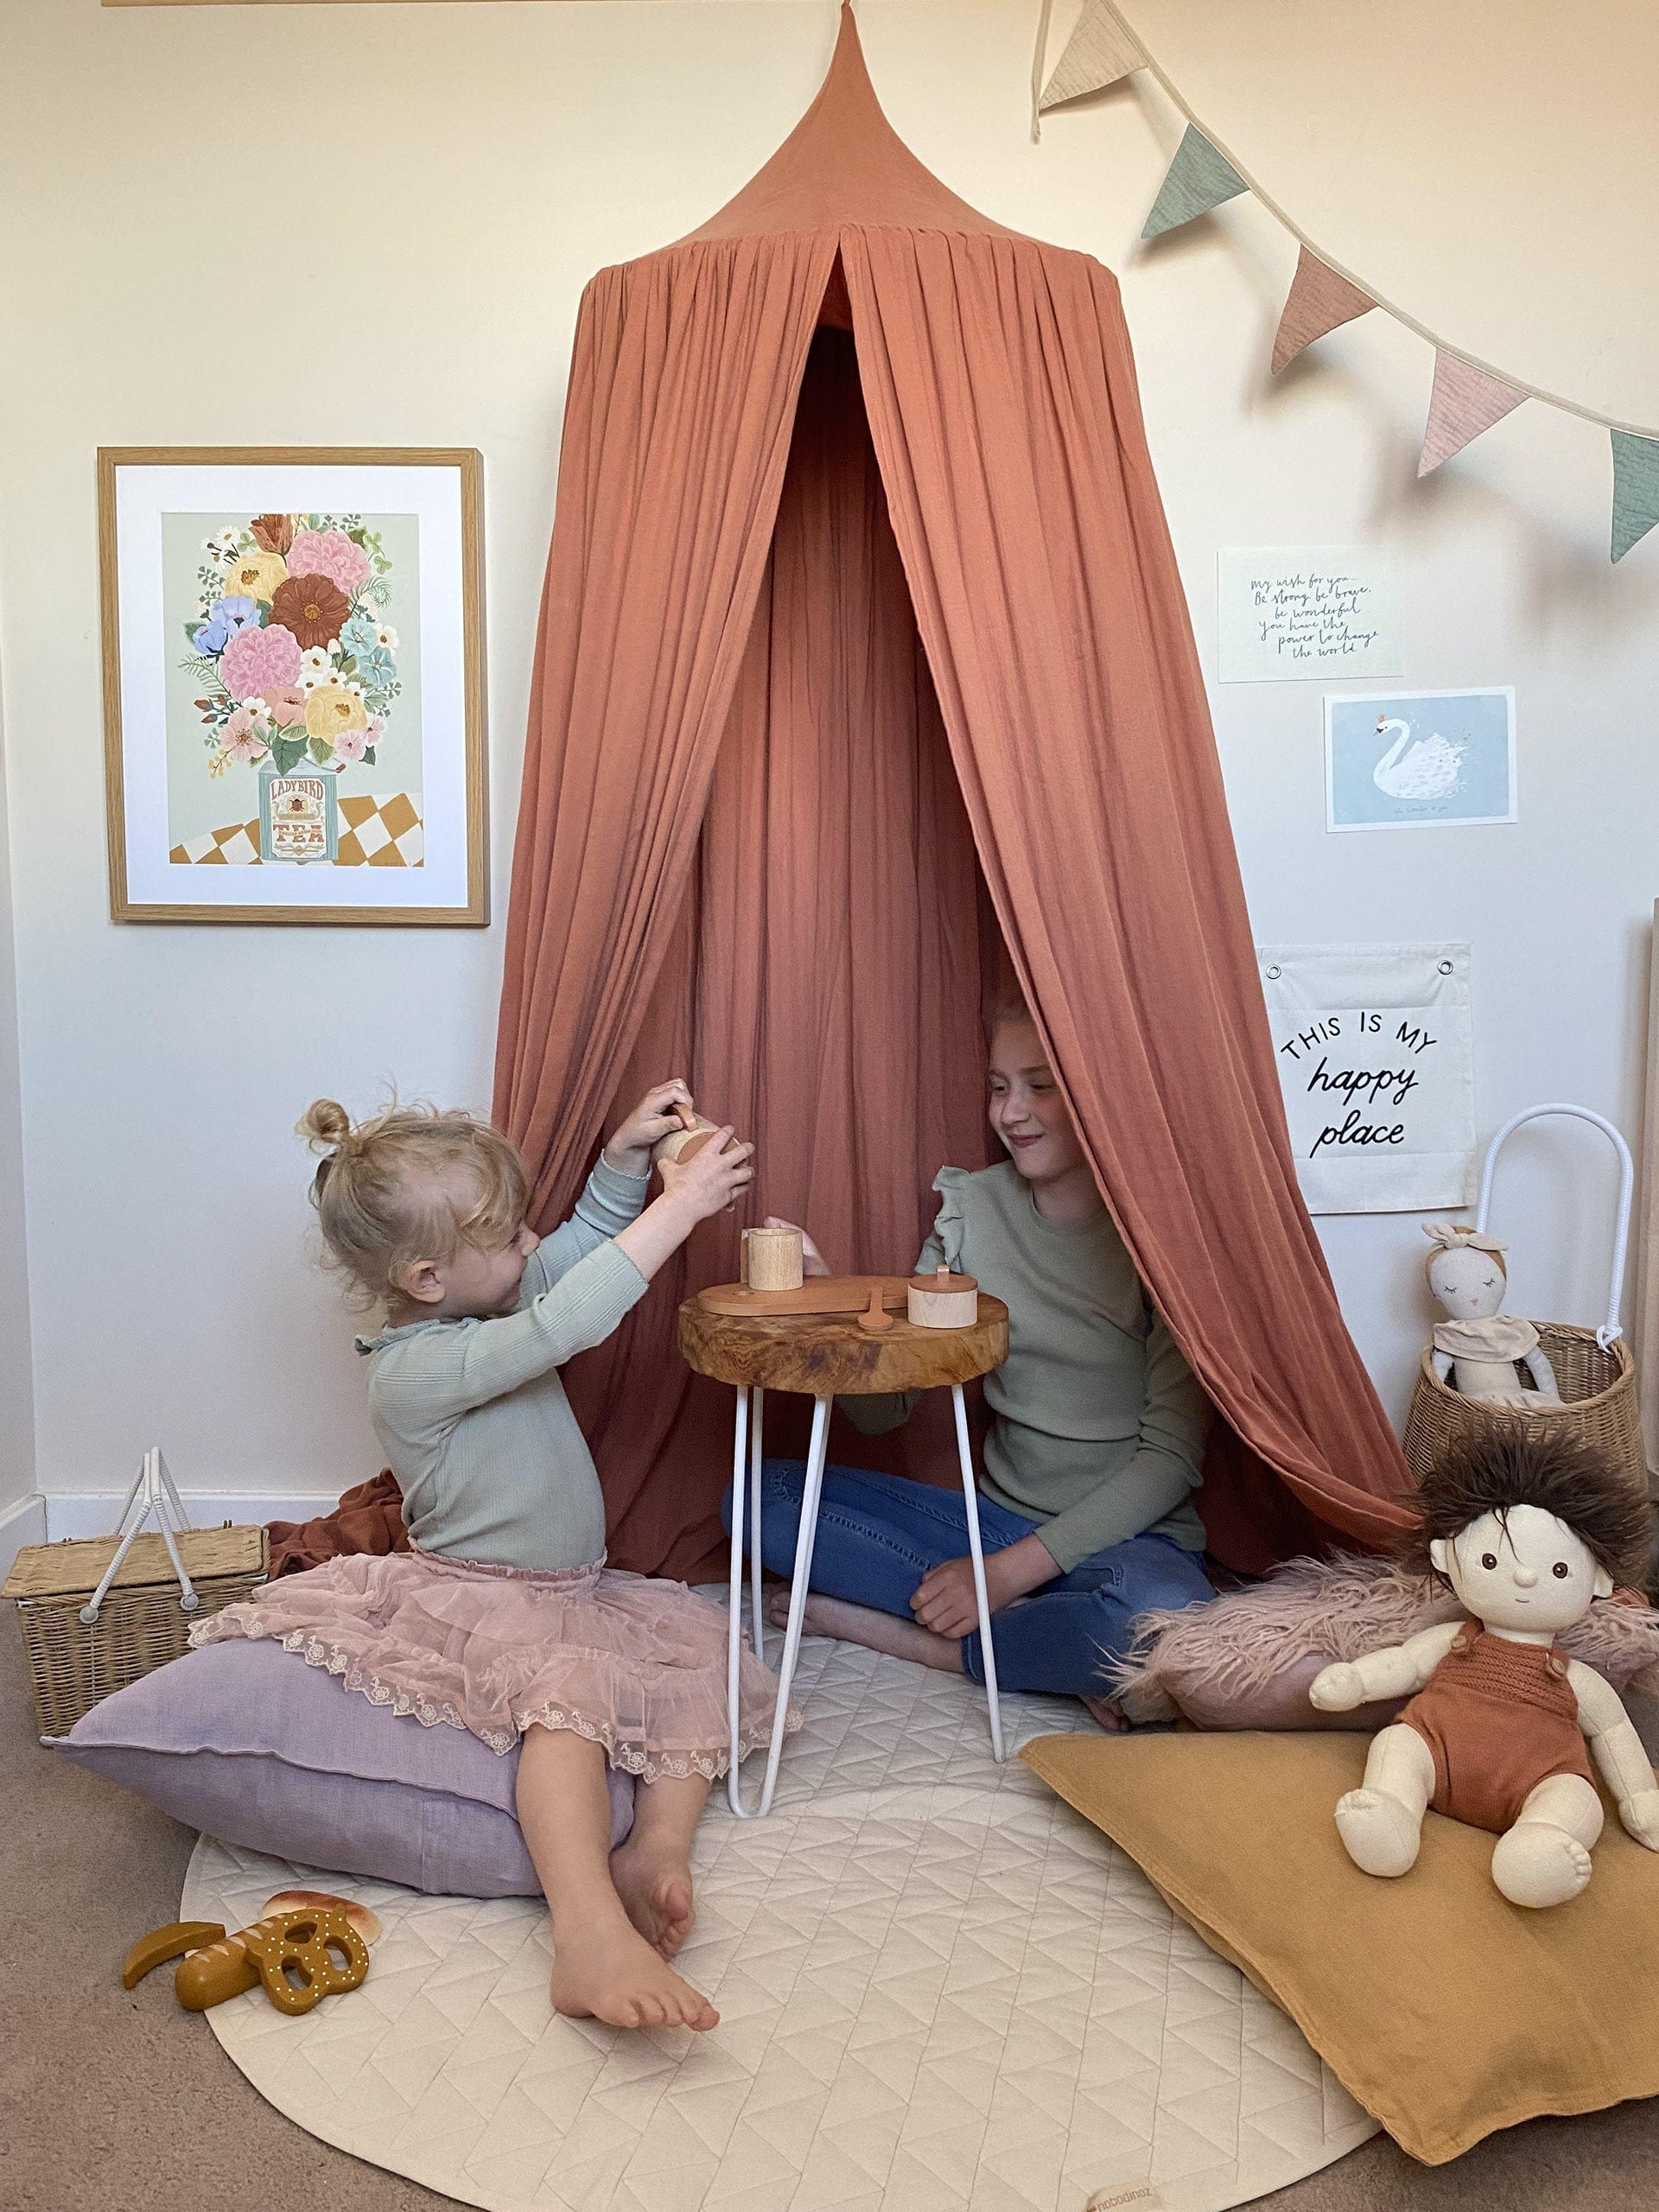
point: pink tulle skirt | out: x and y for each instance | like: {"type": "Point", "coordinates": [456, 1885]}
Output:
{"type": "Point", "coordinates": [633, 1664]}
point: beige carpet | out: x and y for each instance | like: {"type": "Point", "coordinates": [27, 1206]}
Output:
{"type": "Point", "coordinates": [108, 2098]}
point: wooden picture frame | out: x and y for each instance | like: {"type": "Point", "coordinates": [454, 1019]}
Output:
{"type": "Point", "coordinates": [320, 728]}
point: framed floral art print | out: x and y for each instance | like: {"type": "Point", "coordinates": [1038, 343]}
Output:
{"type": "Point", "coordinates": [293, 685]}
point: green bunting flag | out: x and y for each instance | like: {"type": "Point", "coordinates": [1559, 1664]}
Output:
{"type": "Point", "coordinates": [1636, 489]}
{"type": "Point", "coordinates": [1199, 178]}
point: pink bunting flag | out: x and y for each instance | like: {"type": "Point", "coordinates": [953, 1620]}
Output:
{"type": "Point", "coordinates": [1319, 301]}
{"type": "Point", "coordinates": [1465, 402]}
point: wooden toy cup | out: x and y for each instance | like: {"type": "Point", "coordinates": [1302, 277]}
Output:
{"type": "Point", "coordinates": [773, 1259]}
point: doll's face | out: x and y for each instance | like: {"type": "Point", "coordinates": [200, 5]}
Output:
{"type": "Point", "coordinates": [1526, 1572]}
{"type": "Point", "coordinates": [1469, 1283]}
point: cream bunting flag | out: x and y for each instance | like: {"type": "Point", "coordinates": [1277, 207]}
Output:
{"type": "Point", "coordinates": [1636, 489]}
{"type": "Point", "coordinates": [1199, 179]}
{"type": "Point", "coordinates": [1099, 52]}
{"type": "Point", "coordinates": [1319, 301]}
{"type": "Point", "coordinates": [1465, 402]}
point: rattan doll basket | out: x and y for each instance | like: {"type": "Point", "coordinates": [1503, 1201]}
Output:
{"type": "Point", "coordinates": [1593, 1368]}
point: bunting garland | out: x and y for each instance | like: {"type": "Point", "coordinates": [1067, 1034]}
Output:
{"type": "Point", "coordinates": [1467, 397]}
{"type": "Point", "coordinates": [1319, 301]}
{"type": "Point", "coordinates": [1465, 402]}
{"type": "Point", "coordinates": [1100, 52]}
{"type": "Point", "coordinates": [1199, 179]}
{"type": "Point", "coordinates": [1636, 489]}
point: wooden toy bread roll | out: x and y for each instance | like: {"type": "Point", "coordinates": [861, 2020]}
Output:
{"type": "Point", "coordinates": [943, 1300]}
{"type": "Point", "coordinates": [773, 1259]}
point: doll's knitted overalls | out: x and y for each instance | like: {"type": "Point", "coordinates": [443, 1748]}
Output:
{"type": "Point", "coordinates": [1499, 1718]}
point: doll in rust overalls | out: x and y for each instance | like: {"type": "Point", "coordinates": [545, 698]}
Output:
{"type": "Point", "coordinates": [1528, 1532]}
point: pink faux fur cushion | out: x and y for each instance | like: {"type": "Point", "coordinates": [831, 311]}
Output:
{"type": "Point", "coordinates": [1247, 1661]}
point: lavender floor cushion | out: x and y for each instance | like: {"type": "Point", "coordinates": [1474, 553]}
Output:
{"type": "Point", "coordinates": [247, 1743]}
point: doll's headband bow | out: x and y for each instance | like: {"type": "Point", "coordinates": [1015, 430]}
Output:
{"type": "Point", "coordinates": [1454, 1236]}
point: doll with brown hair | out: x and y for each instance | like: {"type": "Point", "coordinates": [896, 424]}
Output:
{"type": "Point", "coordinates": [1528, 1532]}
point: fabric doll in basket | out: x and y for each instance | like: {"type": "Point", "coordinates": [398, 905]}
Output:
{"type": "Point", "coordinates": [1478, 1346]}
{"type": "Point", "coordinates": [1527, 1532]}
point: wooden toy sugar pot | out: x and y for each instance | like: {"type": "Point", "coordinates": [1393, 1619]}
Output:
{"type": "Point", "coordinates": [943, 1300]}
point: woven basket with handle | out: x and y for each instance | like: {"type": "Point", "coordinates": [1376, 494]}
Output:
{"type": "Point", "coordinates": [141, 1623]}
{"type": "Point", "coordinates": [1593, 1368]}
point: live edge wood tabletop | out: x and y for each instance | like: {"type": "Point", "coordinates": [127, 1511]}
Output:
{"type": "Point", "coordinates": [829, 1355]}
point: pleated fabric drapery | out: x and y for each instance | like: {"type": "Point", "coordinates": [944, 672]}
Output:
{"type": "Point", "coordinates": [669, 473]}
{"type": "Point", "coordinates": [864, 667]}
{"type": "Point", "coordinates": [822, 990]}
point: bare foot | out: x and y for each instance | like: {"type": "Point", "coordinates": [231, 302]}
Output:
{"type": "Point", "coordinates": [609, 1972]}
{"type": "Point", "coordinates": [1108, 1713]}
{"type": "Point", "coordinates": [875, 1631]}
{"type": "Point", "coordinates": [654, 1887]}
{"type": "Point", "coordinates": [823, 1616]}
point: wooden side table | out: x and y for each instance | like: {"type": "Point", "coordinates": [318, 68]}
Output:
{"type": "Point", "coordinates": [825, 1355]}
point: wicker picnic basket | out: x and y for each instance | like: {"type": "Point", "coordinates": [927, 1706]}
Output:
{"type": "Point", "coordinates": [1593, 1368]}
{"type": "Point", "coordinates": [141, 1623]}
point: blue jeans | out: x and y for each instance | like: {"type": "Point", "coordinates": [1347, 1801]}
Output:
{"type": "Point", "coordinates": [879, 1534]}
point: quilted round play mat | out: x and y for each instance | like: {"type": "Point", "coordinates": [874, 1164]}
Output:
{"type": "Point", "coordinates": [940, 1990]}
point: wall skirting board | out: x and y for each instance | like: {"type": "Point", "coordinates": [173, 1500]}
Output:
{"type": "Point", "coordinates": [38, 1520]}
{"type": "Point", "coordinates": [19, 1524]}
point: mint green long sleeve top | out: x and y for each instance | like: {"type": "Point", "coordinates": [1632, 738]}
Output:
{"type": "Point", "coordinates": [473, 1417]}
{"type": "Point", "coordinates": [1099, 1425]}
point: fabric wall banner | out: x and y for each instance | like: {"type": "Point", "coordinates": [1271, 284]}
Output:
{"type": "Point", "coordinates": [1374, 1044]}
{"type": "Point", "coordinates": [1198, 179]}
{"type": "Point", "coordinates": [1099, 53]}
{"type": "Point", "coordinates": [1636, 489]}
{"type": "Point", "coordinates": [1319, 301]}
{"type": "Point", "coordinates": [1465, 402]}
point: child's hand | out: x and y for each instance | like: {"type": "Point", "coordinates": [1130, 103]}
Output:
{"type": "Point", "coordinates": [629, 1150]}
{"type": "Point", "coordinates": [812, 1260]}
{"type": "Point", "coordinates": [710, 1179]}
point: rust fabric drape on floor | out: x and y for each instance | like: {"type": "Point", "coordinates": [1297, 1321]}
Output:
{"type": "Point", "coordinates": [743, 854]}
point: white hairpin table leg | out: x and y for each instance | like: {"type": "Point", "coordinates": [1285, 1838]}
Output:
{"type": "Point", "coordinates": [734, 1619]}
{"type": "Point", "coordinates": [757, 1617]}
{"type": "Point", "coordinates": [970, 1492]}
{"type": "Point", "coordinates": [812, 1490]}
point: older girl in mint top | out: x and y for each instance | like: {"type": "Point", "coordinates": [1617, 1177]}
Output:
{"type": "Point", "coordinates": [1096, 1443]}
{"type": "Point", "coordinates": [502, 1618]}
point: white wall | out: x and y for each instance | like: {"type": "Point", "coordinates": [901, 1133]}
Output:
{"type": "Point", "coordinates": [457, 173]}
{"type": "Point", "coordinates": [17, 1380]}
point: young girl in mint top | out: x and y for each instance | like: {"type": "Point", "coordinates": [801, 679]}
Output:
{"type": "Point", "coordinates": [502, 1618]}
{"type": "Point", "coordinates": [1096, 1443]}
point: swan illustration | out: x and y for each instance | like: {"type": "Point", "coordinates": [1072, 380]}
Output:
{"type": "Point", "coordinates": [1428, 768]}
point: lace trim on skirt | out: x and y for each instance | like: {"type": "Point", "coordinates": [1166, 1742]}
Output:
{"type": "Point", "coordinates": [633, 1759]}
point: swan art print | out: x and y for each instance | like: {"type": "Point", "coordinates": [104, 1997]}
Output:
{"type": "Point", "coordinates": [1417, 767]}
{"type": "Point", "coordinates": [1426, 760]}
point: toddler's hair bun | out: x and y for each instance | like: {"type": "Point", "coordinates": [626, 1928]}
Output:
{"type": "Point", "coordinates": [325, 1124]}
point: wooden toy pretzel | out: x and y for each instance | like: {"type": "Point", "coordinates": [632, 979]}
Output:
{"type": "Point", "coordinates": [308, 1945]}
{"type": "Point", "coordinates": [298, 1956]}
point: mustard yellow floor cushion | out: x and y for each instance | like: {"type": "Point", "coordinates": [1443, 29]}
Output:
{"type": "Point", "coordinates": [1445, 2010]}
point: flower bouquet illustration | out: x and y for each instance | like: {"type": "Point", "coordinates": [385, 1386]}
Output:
{"type": "Point", "coordinates": [297, 665]}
